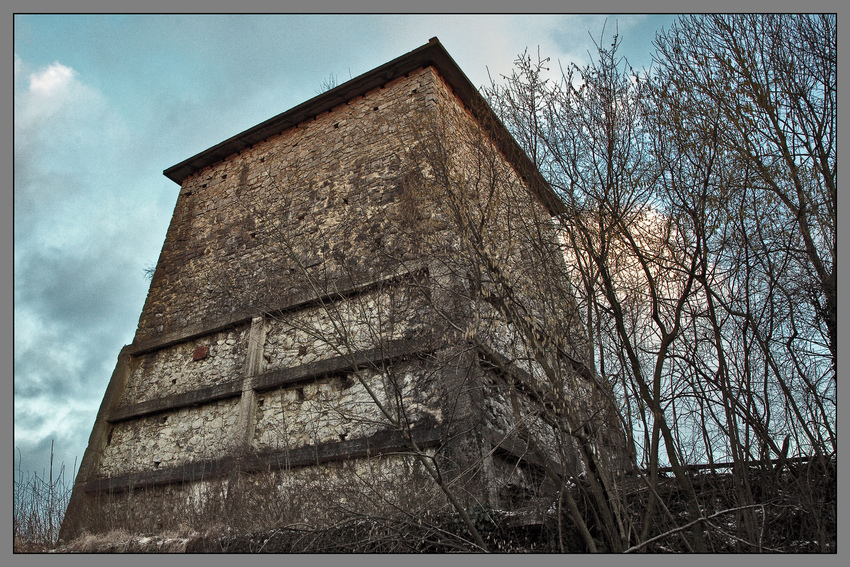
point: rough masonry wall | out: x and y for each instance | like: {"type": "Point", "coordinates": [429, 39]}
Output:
{"type": "Point", "coordinates": [502, 405]}
{"type": "Point", "coordinates": [506, 222]}
{"type": "Point", "coordinates": [204, 361]}
{"type": "Point", "coordinates": [170, 439]}
{"type": "Point", "coordinates": [514, 263]}
{"type": "Point", "coordinates": [318, 197]}
{"type": "Point", "coordinates": [337, 408]}
{"type": "Point", "coordinates": [316, 496]}
{"type": "Point", "coordinates": [322, 409]}
{"type": "Point", "coordinates": [343, 326]}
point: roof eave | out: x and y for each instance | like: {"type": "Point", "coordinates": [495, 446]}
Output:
{"type": "Point", "coordinates": [422, 56]}
{"type": "Point", "coordinates": [430, 54]}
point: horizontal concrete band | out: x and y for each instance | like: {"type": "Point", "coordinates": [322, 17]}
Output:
{"type": "Point", "coordinates": [381, 443]}
{"type": "Point", "coordinates": [197, 397]}
{"type": "Point", "coordinates": [514, 447]}
{"type": "Point", "coordinates": [392, 351]}
{"type": "Point", "coordinates": [346, 288]}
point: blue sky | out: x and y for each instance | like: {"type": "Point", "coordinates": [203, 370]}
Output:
{"type": "Point", "coordinates": [103, 104]}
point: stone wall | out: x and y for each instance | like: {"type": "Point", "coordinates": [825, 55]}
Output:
{"type": "Point", "coordinates": [318, 197]}
{"type": "Point", "coordinates": [337, 408]}
{"type": "Point", "coordinates": [342, 325]}
{"type": "Point", "coordinates": [171, 439]}
{"type": "Point", "coordinates": [308, 275]}
{"type": "Point", "coordinates": [306, 496]}
{"type": "Point", "coordinates": [320, 409]}
{"type": "Point", "coordinates": [204, 361]}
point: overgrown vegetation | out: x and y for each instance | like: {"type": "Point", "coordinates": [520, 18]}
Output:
{"type": "Point", "coordinates": [789, 521]}
{"type": "Point", "coordinates": [700, 214]}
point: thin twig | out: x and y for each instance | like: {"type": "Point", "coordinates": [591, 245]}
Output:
{"type": "Point", "coordinates": [686, 526]}
{"type": "Point", "coordinates": [736, 538]}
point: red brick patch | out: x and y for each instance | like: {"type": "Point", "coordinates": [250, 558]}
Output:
{"type": "Point", "coordinates": [201, 352]}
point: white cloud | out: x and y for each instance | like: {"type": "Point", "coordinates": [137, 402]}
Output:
{"type": "Point", "coordinates": [56, 102]}
{"type": "Point", "coordinates": [52, 80]}
{"type": "Point", "coordinates": [67, 423]}
{"type": "Point", "coordinates": [67, 139]}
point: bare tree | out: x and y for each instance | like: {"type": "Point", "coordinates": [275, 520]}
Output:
{"type": "Point", "coordinates": [761, 90]}
{"type": "Point", "coordinates": [698, 219]}
{"type": "Point", "coordinates": [509, 259]}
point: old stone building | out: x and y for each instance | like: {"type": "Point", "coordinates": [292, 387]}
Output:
{"type": "Point", "coordinates": [345, 313]}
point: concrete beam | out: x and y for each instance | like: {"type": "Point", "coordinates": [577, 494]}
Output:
{"type": "Point", "coordinates": [275, 379]}
{"type": "Point", "coordinates": [387, 441]}
{"type": "Point", "coordinates": [294, 302]}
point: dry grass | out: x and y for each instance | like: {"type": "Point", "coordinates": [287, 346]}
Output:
{"type": "Point", "coordinates": [122, 541]}
{"type": "Point", "coordinates": [252, 514]}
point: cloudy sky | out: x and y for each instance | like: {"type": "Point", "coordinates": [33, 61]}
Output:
{"type": "Point", "coordinates": [103, 104]}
